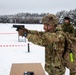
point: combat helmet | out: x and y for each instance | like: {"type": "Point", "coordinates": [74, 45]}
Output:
{"type": "Point", "coordinates": [67, 18]}
{"type": "Point", "coordinates": [50, 19]}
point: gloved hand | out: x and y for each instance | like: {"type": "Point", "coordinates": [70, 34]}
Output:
{"type": "Point", "coordinates": [25, 31]}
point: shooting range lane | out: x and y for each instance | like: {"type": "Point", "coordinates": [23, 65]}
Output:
{"type": "Point", "coordinates": [12, 51]}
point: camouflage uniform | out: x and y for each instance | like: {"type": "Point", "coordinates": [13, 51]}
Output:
{"type": "Point", "coordinates": [75, 32]}
{"type": "Point", "coordinates": [68, 28]}
{"type": "Point", "coordinates": [67, 63]}
{"type": "Point", "coordinates": [71, 44]}
{"type": "Point", "coordinates": [54, 45]}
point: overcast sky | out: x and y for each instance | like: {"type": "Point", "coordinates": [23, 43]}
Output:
{"type": "Point", "coordinates": [35, 6]}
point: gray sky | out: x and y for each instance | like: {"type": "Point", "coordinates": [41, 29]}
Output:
{"type": "Point", "coordinates": [35, 6]}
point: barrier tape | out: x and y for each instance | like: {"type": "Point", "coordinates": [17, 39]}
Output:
{"type": "Point", "coordinates": [8, 33]}
{"type": "Point", "coordinates": [12, 45]}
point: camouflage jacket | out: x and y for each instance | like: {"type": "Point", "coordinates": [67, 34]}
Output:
{"type": "Point", "coordinates": [67, 62]}
{"type": "Point", "coordinates": [54, 48]}
{"type": "Point", "coordinates": [68, 28]}
{"type": "Point", "coordinates": [71, 38]}
{"type": "Point", "coordinates": [54, 43]}
{"type": "Point", "coordinates": [75, 32]}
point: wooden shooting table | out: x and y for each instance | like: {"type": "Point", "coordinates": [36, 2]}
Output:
{"type": "Point", "coordinates": [19, 69]}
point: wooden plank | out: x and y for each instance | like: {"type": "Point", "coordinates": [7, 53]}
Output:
{"type": "Point", "coordinates": [19, 69]}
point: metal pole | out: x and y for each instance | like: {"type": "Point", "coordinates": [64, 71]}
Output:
{"type": "Point", "coordinates": [28, 47]}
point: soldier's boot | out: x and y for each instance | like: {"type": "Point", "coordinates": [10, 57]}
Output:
{"type": "Point", "coordinates": [72, 73]}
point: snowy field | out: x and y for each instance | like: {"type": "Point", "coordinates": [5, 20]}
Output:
{"type": "Point", "coordinates": [12, 51]}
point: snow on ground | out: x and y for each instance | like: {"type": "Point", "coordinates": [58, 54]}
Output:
{"type": "Point", "coordinates": [12, 51]}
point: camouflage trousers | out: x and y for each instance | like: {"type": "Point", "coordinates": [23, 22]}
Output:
{"type": "Point", "coordinates": [48, 74]}
{"type": "Point", "coordinates": [72, 73]}
{"type": "Point", "coordinates": [55, 70]}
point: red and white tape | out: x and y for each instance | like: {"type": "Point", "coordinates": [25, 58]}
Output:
{"type": "Point", "coordinates": [12, 45]}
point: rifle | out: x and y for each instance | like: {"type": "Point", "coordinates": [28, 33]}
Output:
{"type": "Point", "coordinates": [18, 27]}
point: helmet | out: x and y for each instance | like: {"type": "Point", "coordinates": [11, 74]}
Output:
{"type": "Point", "coordinates": [50, 19]}
{"type": "Point", "coordinates": [67, 18]}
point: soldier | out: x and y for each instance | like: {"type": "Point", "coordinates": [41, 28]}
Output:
{"type": "Point", "coordinates": [53, 43]}
{"type": "Point", "coordinates": [67, 26]}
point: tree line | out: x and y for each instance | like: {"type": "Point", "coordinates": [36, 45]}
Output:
{"type": "Point", "coordinates": [27, 18]}
{"type": "Point", "coordinates": [71, 14]}
{"type": "Point", "coordinates": [35, 18]}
